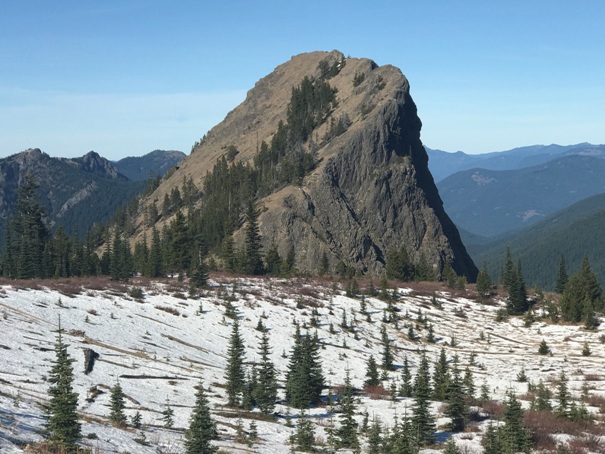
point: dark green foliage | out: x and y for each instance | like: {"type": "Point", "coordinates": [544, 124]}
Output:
{"type": "Point", "coordinates": [582, 296]}
{"type": "Point", "coordinates": [120, 258]}
{"type": "Point", "coordinates": [304, 437]}
{"type": "Point", "coordinates": [28, 238]}
{"type": "Point", "coordinates": [586, 350]}
{"type": "Point", "coordinates": [562, 278]}
{"type": "Point", "coordinates": [273, 262]}
{"type": "Point", "coordinates": [372, 376]}
{"type": "Point", "coordinates": [304, 379]}
{"type": "Point", "coordinates": [265, 393]}
{"type": "Point", "coordinates": [449, 276]}
{"type": "Point", "coordinates": [457, 408]}
{"type": "Point", "coordinates": [468, 383]}
{"type": "Point", "coordinates": [572, 232]}
{"type": "Point", "coordinates": [168, 415]}
{"type": "Point", "coordinates": [492, 442]}
{"type": "Point", "coordinates": [375, 436]}
{"type": "Point", "coordinates": [136, 420]}
{"type": "Point", "coordinates": [62, 427]}
{"type": "Point", "coordinates": [422, 419]}
{"type": "Point", "coordinates": [253, 263]}
{"type": "Point", "coordinates": [403, 439]}
{"type": "Point", "coordinates": [484, 282]}
{"type": "Point", "coordinates": [563, 396]}
{"type": "Point", "coordinates": [310, 104]}
{"type": "Point", "coordinates": [202, 429]}
{"type": "Point", "coordinates": [441, 377]}
{"type": "Point", "coordinates": [543, 349]}
{"type": "Point", "coordinates": [347, 432]}
{"type": "Point", "coordinates": [399, 265]}
{"type": "Point", "coordinates": [407, 389]}
{"type": "Point", "coordinates": [516, 303]}
{"type": "Point", "coordinates": [541, 401]}
{"type": "Point", "coordinates": [117, 404]}
{"type": "Point", "coordinates": [450, 447]}
{"type": "Point", "coordinates": [387, 355]}
{"type": "Point", "coordinates": [234, 374]}
{"type": "Point", "coordinates": [515, 437]}
{"type": "Point", "coordinates": [508, 269]}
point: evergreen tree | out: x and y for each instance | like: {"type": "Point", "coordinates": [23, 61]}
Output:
{"type": "Point", "coordinates": [516, 302]}
{"type": "Point", "coordinates": [586, 350]}
{"type": "Point", "coordinates": [441, 377]}
{"type": "Point", "coordinates": [234, 374]}
{"type": "Point", "coordinates": [403, 439]}
{"type": "Point", "coordinates": [484, 283]}
{"type": "Point", "coordinates": [582, 295]}
{"type": "Point", "coordinates": [373, 378]}
{"type": "Point", "coordinates": [375, 436]}
{"type": "Point", "coordinates": [492, 443]}
{"type": "Point", "coordinates": [542, 400]}
{"type": "Point", "coordinates": [324, 264]}
{"type": "Point", "coordinates": [27, 235]}
{"type": "Point", "coordinates": [304, 437]}
{"type": "Point", "coordinates": [199, 278]}
{"type": "Point", "coordinates": [456, 408]}
{"type": "Point", "coordinates": [423, 421]}
{"type": "Point", "coordinates": [450, 447]}
{"type": "Point", "coordinates": [508, 271]}
{"type": "Point", "coordinates": [120, 259]}
{"type": "Point", "coordinates": [347, 432]}
{"type": "Point", "coordinates": [304, 379]}
{"type": "Point", "coordinates": [117, 416]}
{"type": "Point", "coordinates": [515, 437]}
{"type": "Point", "coordinates": [136, 420]}
{"type": "Point", "coordinates": [563, 396]}
{"type": "Point", "coordinates": [468, 383]}
{"type": "Point", "coordinates": [265, 392]}
{"type": "Point", "coordinates": [168, 415]}
{"type": "Point", "coordinates": [62, 427]}
{"type": "Point", "coordinates": [543, 349]}
{"type": "Point", "coordinates": [387, 355]}
{"type": "Point", "coordinates": [562, 277]}
{"type": "Point", "coordinates": [253, 257]}
{"type": "Point", "coordinates": [202, 429]}
{"type": "Point", "coordinates": [406, 390]}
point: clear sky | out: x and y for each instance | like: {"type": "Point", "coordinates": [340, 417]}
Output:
{"type": "Point", "coordinates": [125, 77]}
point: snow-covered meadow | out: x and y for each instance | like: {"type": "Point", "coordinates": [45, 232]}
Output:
{"type": "Point", "coordinates": [159, 347]}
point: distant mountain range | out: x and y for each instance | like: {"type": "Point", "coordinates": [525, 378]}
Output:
{"type": "Point", "coordinates": [493, 202]}
{"type": "Point", "coordinates": [442, 163]}
{"type": "Point", "coordinates": [541, 201]}
{"type": "Point", "coordinates": [78, 192]}
{"type": "Point", "coordinates": [158, 162]}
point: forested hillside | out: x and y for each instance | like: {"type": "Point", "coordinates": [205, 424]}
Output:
{"type": "Point", "coordinates": [572, 233]}
{"type": "Point", "coordinates": [489, 202]}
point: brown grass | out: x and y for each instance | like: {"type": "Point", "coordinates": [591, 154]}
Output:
{"type": "Point", "coordinates": [377, 392]}
{"type": "Point", "coordinates": [170, 310]}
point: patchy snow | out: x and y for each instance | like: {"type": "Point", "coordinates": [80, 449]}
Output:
{"type": "Point", "coordinates": [161, 346]}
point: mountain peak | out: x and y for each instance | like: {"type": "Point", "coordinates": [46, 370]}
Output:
{"type": "Point", "coordinates": [368, 189]}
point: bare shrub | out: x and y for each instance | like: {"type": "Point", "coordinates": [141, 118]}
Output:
{"type": "Point", "coordinates": [170, 310]}
{"type": "Point", "coordinates": [495, 410]}
{"type": "Point", "coordinates": [376, 392]}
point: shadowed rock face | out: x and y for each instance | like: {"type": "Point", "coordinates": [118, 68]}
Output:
{"type": "Point", "coordinates": [371, 190]}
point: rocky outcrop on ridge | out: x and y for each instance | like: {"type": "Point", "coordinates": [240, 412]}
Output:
{"type": "Point", "coordinates": [371, 190]}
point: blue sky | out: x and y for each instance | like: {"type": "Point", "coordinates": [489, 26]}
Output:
{"type": "Point", "coordinates": [126, 77]}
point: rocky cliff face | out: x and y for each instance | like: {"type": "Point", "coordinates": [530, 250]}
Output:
{"type": "Point", "coordinates": [371, 190]}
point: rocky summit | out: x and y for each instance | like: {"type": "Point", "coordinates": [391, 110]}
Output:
{"type": "Point", "coordinates": [369, 190]}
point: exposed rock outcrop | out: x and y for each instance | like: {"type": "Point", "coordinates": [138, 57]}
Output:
{"type": "Point", "coordinates": [371, 190]}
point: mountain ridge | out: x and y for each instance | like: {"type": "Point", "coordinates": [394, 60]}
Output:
{"type": "Point", "coordinates": [370, 189]}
